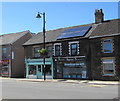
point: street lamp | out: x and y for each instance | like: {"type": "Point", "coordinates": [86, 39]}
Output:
{"type": "Point", "coordinates": [39, 16]}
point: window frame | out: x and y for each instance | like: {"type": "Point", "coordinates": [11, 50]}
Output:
{"type": "Point", "coordinates": [60, 51]}
{"type": "Point", "coordinates": [108, 62]}
{"type": "Point", "coordinates": [70, 48]}
{"type": "Point", "coordinates": [110, 42]}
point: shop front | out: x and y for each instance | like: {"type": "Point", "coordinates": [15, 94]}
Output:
{"type": "Point", "coordinates": [35, 70]}
{"type": "Point", "coordinates": [5, 67]}
{"type": "Point", "coordinates": [71, 68]}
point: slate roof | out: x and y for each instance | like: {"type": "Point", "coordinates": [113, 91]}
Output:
{"type": "Point", "coordinates": [11, 38]}
{"type": "Point", "coordinates": [107, 28]}
{"type": "Point", "coordinates": [51, 35]}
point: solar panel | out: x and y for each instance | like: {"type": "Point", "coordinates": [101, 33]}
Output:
{"type": "Point", "coordinates": [74, 32]}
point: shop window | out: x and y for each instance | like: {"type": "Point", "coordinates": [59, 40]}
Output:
{"type": "Point", "coordinates": [73, 48]}
{"type": "Point", "coordinates": [57, 50]}
{"type": "Point", "coordinates": [48, 70]}
{"type": "Point", "coordinates": [36, 52]}
{"type": "Point", "coordinates": [71, 69]}
{"type": "Point", "coordinates": [59, 69]}
{"type": "Point", "coordinates": [5, 69]}
{"type": "Point", "coordinates": [108, 46]}
{"type": "Point", "coordinates": [108, 67]}
{"type": "Point", "coordinates": [32, 70]}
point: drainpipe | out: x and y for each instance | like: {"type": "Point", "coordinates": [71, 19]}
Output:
{"type": "Point", "coordinates": [90, 69]}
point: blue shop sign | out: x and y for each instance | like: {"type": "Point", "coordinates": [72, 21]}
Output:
{"type": "Point", "coordinates": [74, 64]}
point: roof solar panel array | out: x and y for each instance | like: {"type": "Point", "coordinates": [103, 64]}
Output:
{"type": "Point", "coordinates": [74, 32]}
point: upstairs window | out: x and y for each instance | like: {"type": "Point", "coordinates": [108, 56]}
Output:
{"type": "Point", "coordinates": [73, 48]}
{"type": "Point", "coordinates": [36, 52]}
{"type": "Point", "coordinates": [108, 46]}
{"type": "Point", "coordinates": [57, 49]}
{"type": "Point", "coordinates": [108, 67]}
{"type": "Point", "coordinates": [49, 49]}
{"type": "Point", "coordinates": [4, 52]}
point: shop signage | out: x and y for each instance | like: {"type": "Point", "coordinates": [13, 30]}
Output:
{"type": "Point", "coordinates": [4, 61]}
{"type": "Point", "coordinates": [74, 64]}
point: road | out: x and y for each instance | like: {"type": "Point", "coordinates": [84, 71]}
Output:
{"type": "Point", "coordinates": [12, 89]}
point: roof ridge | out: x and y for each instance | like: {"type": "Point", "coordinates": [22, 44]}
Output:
{"type": "Point", "coordinates": [77, 26]}
{"type": "Point", "coordinates": [68, 27]}
{"type": "Point", "coordinates": [13, 37]}
{"type": "Point", "coordinates": [14, 33]}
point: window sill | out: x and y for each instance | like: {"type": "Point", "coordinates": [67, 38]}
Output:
{"type": "Point", "coordinates": [107, 52]}
{"type": "Point", "coordinates": [73, 55]}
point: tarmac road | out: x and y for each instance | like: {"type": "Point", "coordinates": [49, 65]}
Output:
{"type": "Point", "coordinates": [12, 89]}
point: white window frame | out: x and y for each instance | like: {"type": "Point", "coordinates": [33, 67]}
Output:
{"type": "Point", "coordinates": [111, 41]}
{"type": "Point", "coordinates": [60, 48]}
{"type": "Point", "coordinates": [110, 62]}
{"type": "Point", "coordinates": [74, 42]}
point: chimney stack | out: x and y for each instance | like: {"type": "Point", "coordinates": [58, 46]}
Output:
{"type": "Point", "coordinates": [99, 16]}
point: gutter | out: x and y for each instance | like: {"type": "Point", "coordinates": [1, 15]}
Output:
{"type": "Point", "coordinates": [104, 36]}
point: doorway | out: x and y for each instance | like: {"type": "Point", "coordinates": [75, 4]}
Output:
{"type": "Point", "coordinates": [32, 72]}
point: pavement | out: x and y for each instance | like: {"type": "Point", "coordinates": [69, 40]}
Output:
{"type": "Point", "coordinates": [96, 82]}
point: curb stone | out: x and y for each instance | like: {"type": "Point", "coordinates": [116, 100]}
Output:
{"type": "Point", "coordinates": [68, 81]}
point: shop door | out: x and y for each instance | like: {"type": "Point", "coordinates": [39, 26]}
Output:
{"type": "Point", "coordinates": [5, 70]}
{"type": "Point", "coordinates": [32, 72]}
{"type": "Point", "coordinates": [39, 72]}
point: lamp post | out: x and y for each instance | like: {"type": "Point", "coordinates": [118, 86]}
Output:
{"type": "Point", "coordinates": [39, 16]}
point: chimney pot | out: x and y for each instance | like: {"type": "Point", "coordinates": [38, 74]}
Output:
{"type": "Point", "coordinates": [99, 16]}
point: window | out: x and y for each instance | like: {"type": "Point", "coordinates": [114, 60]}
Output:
{"type": "Point", "coordinates": [48, 70]}
{"type": "Point", "coordinates": [4, 52]}
{"type": "Point", "coordinates": [36, 53]}
{"type": "Point", "coordinates": [5, 69]}
{"type": "Point", "coordinates": [74, 69]}
{"type": "Point", "coordinates": [108, 67]}
{"type": "Point", "coordinates": [57, 49]}
{"type": "Point", "coordinates": [49, 48]}
{"type": "Point", "coordinates": [73, 48]}
{"type": "Point", "coordinates": [32, 70]}
{"type": "Point", "coordinates": [108, 46]}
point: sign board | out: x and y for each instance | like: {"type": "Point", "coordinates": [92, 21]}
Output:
{"type": "Point", "coordinates": [4, 61]}
{"type": "Point", "coordinates": [12, 55]}
{"type": "Point", "coordinates": [74, 64]}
